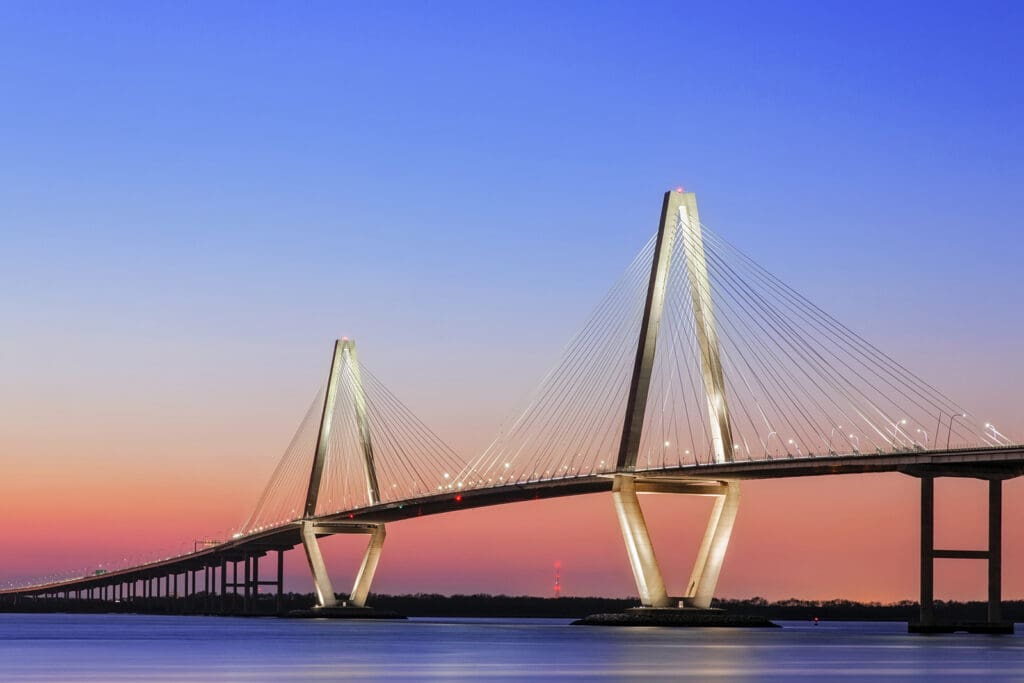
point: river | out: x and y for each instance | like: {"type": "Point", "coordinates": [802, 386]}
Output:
{"type": "Point", "coordinates": [125, 647]}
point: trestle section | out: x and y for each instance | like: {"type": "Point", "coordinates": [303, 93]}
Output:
{"type": "Point", "coordinates": [710, 555]}
{"type": "Point", "coordinates": [228, 583]}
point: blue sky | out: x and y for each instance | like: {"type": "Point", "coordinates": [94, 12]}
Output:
{"type": "Point", "coordinates": [264, 159]}
{"type": "Point", "coordinates": [419, 173]}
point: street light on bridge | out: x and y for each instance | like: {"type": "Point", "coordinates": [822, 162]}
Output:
{"type": "Point", "coordinates": [997, 436]}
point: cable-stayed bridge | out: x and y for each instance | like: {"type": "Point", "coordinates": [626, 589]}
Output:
{"type": "Point", "coordinates": [697, 370]}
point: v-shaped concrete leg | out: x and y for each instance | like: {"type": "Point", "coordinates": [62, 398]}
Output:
{"type": "Point", "coordinates": [638, 544]}
{"type": "Point", "coordinates": [711, 556]}
{"type": "Point", "coordinates": [321, 580]}
{"type": "Point", "coordinates": [361, 588]}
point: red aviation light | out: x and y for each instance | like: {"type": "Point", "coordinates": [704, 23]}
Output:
{"type": "Point", "coordinates": [458, 497]}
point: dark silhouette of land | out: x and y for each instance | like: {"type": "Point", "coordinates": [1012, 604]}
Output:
{"type": "Point", "coordinates": [432, 605]}
{"type": "Point", "coordinates": [497, 606]}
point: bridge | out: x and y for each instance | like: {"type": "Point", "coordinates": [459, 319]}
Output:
{"type": "Point", "coordinates": [697, 370]}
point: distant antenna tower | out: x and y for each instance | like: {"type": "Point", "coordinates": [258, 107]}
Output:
{"type": "Point", "coordinates": [558, 579]}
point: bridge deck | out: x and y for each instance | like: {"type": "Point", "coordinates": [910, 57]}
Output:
{"type": "Point", "coordinates": [990, 463]}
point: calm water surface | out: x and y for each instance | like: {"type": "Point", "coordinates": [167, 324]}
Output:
{"type": "Point", "coordinates": [59, 647]}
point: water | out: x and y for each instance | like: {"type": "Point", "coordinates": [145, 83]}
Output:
{"type": "Point", "coordinates": [60, 647]}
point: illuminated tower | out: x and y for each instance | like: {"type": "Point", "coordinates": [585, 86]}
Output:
{"type": "Point", "coordinates": [679, 230]}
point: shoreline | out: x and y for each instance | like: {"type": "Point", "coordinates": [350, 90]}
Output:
{"type": "Point", "coordinates": [531, 607]}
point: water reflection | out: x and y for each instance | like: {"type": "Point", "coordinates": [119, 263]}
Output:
{"type": "Point", "coordinates": [153, 648]}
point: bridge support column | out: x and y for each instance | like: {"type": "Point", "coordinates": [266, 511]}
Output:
{"type": "Point", "coordinates": [224, 586]}
{"type": "Point", "coordinates": [711, 555]}
{"type": "Point", "coordinates": [993, 556]}
{"type": "Point", "coordinates": [646, 571]}
{"type": "Point", "coordinates": [254, 599]}
{"type": "Point", "coordinates": [995, 550]}
{"type": "Point", "coordinates": [321, 579]}
{"type": "Point", "coordinates": [247, 585]}
{"type": "Point", "coordinates": [927, 551]}
{"type": "Point", "coordinates": [361, 587]}
{"type": "Point", "coordinates": [279, 599]}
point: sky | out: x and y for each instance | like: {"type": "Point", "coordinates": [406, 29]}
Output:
{"type": "Point", "coordinates": [196, 199]}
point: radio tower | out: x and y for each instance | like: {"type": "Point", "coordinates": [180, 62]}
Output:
{"type": "Point", "coordinates": [558, 579]}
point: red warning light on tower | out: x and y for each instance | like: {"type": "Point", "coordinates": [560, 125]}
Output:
{"type": "Point", "coordinates": [558, 578]}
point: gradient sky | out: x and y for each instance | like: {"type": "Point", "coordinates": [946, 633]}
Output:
{"type": "Point", "coordinates": [197, 198]}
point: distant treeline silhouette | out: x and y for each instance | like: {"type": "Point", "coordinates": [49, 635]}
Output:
{"type": "Point", "coordinates": [523, 606]}
{"type": "Point", "coordinates": [483, 605]}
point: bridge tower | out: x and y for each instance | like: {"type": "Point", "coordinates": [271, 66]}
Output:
{"type": "Point", "coordinates": [679, 226]}
{"type": "Point", "coordinates": [344, 360]}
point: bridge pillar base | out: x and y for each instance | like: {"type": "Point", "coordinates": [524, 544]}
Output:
{"type": "Point", "coordinates": [710, 556]}
{"type": "Point", "coordinates": [993, 555]}
{"type": "Point", "coordinates": [364, 578]}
